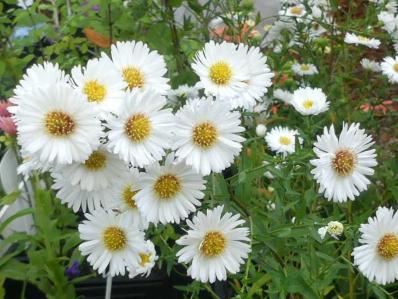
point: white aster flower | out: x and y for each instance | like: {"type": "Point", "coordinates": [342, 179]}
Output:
{"type": "Point", "coordinates": [222, 69]}
{"type": "Point", "coordinates": [294, 11]}
{"type": "Point", "coordinates": [77, 198]}
{"type": "Point", "coordinates": [148, 258]}
{"type": "Point", "coordinates": [55, 124]}
{"type": "Point", "coordinates": [140, 67]}
{"type": "Point", "coordinates": [282, 140]}
{"type": "Point", "coordinates": [183, 91]}
{"type": "Point", "coordinates": [170, 192]}
{"type": "Point", "coordinates": [334, 228]}
{"type": "Point", "coordinates": [351, 38]}
{"type": "Point", "coordinates": [389, 68]}
{"type": "Point", "coordinates": [390, 22]}
{"type": "Point", "coordinates": [112, 240]}
{"type": "Point", "coordinates": [206, 141]}
{"type": "Point", "coordinates": [343, 163]}
{"type": "Point", "coordinates": [309, 101]}
{"type": "Point", "coordinates": [370, 65]}
{"type": "Point", "coordinates": [214, 244]}
{"type": "Point", "coordinates": [101, 84]}
{"type": "Point", "coordinates": [143, 129]}
{"type": "Point", "coordinates": [99, 171]}
{"type": "Point", "coordinates": [304, 69]}
{"type": "Point", "coordinates": [377, 256]}
{"type": "Point", "coordinates": [129, 185]}
{"type": "Point", "coordinates": [24, 4]}
{"type": "Point", "coordinates": [258, 81]}
{"type": "Point", "coordinates": [46, 74]}
{"type": "Point", "coordinates": [283, 95]}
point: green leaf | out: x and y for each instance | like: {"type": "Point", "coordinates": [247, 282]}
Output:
{"type": "Point", "coordinates": [258, 285]}
{"type": "Point", "coordinates": [10, 198]}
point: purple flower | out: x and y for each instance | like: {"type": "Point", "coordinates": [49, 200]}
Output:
{"type": "Point", "coordinates": [95, 8]}
{"type": "Point", "coordinates": [73, 270]}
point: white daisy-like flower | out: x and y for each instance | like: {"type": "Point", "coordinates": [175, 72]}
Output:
{"type": "Point", "coordinates": [214, 244]}
{"type": "Point", "coordinates": [98, 171]}
{"type": "Point", "coordinates": [101, 84]}
{"type": "Point", "coordinates": [309, 101]}
{"type": "Point", "coordinates": [370, 65]}
{"type": "Point", "coordinates": [206, 141]}
{"type": "Point", "coordinates": [283, 95]}
{"type": "Point", "coordinates": [351, 38]}
{"type": "Point", "coordinates": [304, 69]}
{"type": "Point", "coordinates": [334, 228]}
{"type": "Point", "coordinates": [148, 258]}
{"type": "Point", "coordinates": [46, 74]}
{"type": "Point", "coordinates": [343, 163]}
{"type": "Point", "coordinates": [77, 198]}
{"type": "Point", "coordinates": [143, 129]}
{"type": "Point", "coordinates": [140, 67]}
{"type": "Point", "coordinates": [24, 4]}
{"type": "Point", "coordinates": [125, 200]}
{"type": "Point", "coordinates": [389, 68]}
{"type": "Point", "coordinates": [222, 69]}
{"type": "Point", "coordinates": [390, 22]}
{"type": "Point", "coordinates": [377, 254]}
{"type": "Point", "coordinates": [294, 11]}
{"type": "Point", "coordinates": [183, 91]}
{"type": "Point", "coordinates": [282, 140]}
{"type": "Point", "coordinates": [259, 79]}
{"type": "Point", "coordinates": [170, 192]}
{"type": "Point", "coordinates": [56, 124]}
{"type": "Point", "coordinates": [112, 240]}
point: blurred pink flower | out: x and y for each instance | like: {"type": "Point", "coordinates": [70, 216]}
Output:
{"type": "Point", "coordinates": [3, 108]}
{"type": "Point", "coordinates": [7, 125]}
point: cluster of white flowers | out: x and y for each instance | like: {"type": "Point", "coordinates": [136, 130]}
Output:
{"type": "Point", "coordinates": [118, 153]}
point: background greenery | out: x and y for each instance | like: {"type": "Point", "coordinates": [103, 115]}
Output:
{"type": "Point", "coordinates": [288, 258]}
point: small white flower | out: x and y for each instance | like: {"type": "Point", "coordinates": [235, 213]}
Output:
{"type": "Point", "coordinates": [389, 68]}
{"type": "Point", "coordinates": [309, 101]}
{"type": "Point", "coordinates": [214, 244]}
{"type": "Point", "coordinates": [390, 22]}
{"type": "Point", "coordinates": [377, 256]}
{"type": "Point", "coordinates": [282, 140]}
{"type": "Point", "coordinates": [343, 162]}
{"type": "Point", "coordinates": [261, 130]}
{"type": "Point", "coordinates": [143, 129]}
{"type": "Point", "coordinates": [169, 193]}
{"type": "Point", "coordinates": [147, 261]}
{"type": "Point", "coordinates": [304, 69]}
{"type": "Point", "coordinates": [140, 67]}
{"type": "Point", "coordinates": [283, 95]}
{"type": "Point", "coordinates": [205, 140]}
{"type": "Point", "coordinates": [294, 11]}
{"type": "Point", "coordinates": [370, 65]}
{"type": "Point", "coordinates": [112, 240]}
{"type": "Point", "coordinates": [322, 232]}
{"type": "Point", "coordinates": [351, 38]}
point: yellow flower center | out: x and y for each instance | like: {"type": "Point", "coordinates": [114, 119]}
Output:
{"type": "Point", "coordinates": [58, 123]}
{"type": "Point", "coordinates": [285, 140]}
{"type": "Point", "coordinates": [395, 67]}
{"type": "Point", "coordinates": [134, 77]}
{"type": "Point", "coordinates": [220, 73]}
{"type": "Point", "coordinates": [96, 161]}
{"type": "Point", "coordinates": [363, 38]}
{"type": "Point", "coordinates": [296, 10]}
{"type": "Point", "coordinates": [387, 247]}
{"type": "Point", "coordinates": [167, 186]}
{"type": "Point", "coordinates": [307, 104]}
{"type": "Point", "coordinates": [128, 197]}
{"type": "Point", "coordinates": [305, 67]}
{"type": "Point", "coordinates": [114, 238]}
{"type": "Point", "coordinates": [94, 91]}
{"type": "Point", "coordinates": [205, 135]}
{"type": "Point", "coordinates": [213, 244]}
{"type": "Point", "coordinates": [145, 258]}
{"type": "Point", "coordinates": [343, 162]}
{"type": "Point", "coordinates": [138, 127]}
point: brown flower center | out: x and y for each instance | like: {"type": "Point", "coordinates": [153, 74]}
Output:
{"type": "Point", "coordinates": [213, 244]}
{"type": "Point", "coordinates": [343, 162]}
{"type": "Point", "coordinates": [58, 123]}
{"type": "Point", "coordinates": [387, 247]}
